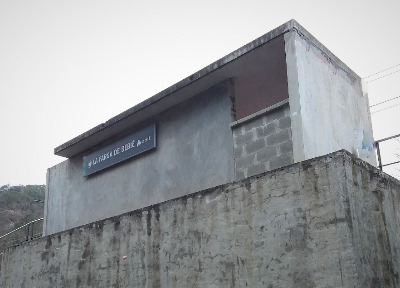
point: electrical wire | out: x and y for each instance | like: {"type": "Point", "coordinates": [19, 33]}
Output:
{"type": "Point", "coordinates": [384, 101]}
{"type": "Point", "coordinates": [386, 108]}
{"type": "Point", "coordinates": [383, 76]}
{"type": "Point", "coordinates": [381, 71]}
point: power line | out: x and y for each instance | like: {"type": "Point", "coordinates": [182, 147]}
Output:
{"type": "Point", "coordinates": [383, 76]}
{"type": "Point", "coordinates": [384, 101]}
{"type": "Point", "coordinates": [385, 108]}
{"type": "Point", "coordinates": [381, 71]}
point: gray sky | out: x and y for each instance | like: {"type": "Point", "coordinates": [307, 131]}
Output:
{"type": "Point", "coordinates": [67, 66]}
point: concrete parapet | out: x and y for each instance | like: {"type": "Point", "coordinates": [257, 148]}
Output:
{"type": "Point", "coordinates": [331, 221]}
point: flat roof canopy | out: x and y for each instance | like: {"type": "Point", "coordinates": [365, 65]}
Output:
{"type": "Point", "coordinates": [207, 77]}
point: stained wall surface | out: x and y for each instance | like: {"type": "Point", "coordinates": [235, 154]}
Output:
{"type": "Point", "coordinates": [329, 110]}
{"type": "Point", "coordinates": [332, 221]}
{"type": "Point", "coordinates": [194, 152]}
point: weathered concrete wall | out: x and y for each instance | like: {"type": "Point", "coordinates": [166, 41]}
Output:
{"type": "Point", "coordinates": [329, 110]}
{"type": "Point", "coordinates": [263, 141]}
{"type": "Point", "coordinates": [327, 222]}
{"type": "Point", "coordinates": [193, 136]}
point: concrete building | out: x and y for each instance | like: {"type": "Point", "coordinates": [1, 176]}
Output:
{"type": "Point", "coordinates": [278, 100]}
{"type": "Point", "coordinates": [230, 178]}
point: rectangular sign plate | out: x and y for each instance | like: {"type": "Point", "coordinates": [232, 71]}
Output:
{"type": "Point", "coordinates": [128, 147]}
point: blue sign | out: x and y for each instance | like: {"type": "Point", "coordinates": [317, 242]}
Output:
{"type": "Point", "coordinates": [126, 148]}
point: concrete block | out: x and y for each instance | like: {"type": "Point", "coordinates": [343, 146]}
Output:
{"type": "Point", "coordinates": [245, 161]}
{"type": "Point", "coordinates": [287, 111]}
{"type": "Point", "coordinates": [255, 146]}
{"type": "Point", "coordinates": [256, 169]}
{"type": "Point", "coordinates": [239, 174]}
{"type": "Point", "coordinates": [266, 154]}
{"type": "Point", "coordinates": [238, 152]}
{"type": "Point", "coordinates": [280, 137]}
{"type": "Point", "coordinates": [284, 123]}
{"type": "Point", "coordinates": [242, 139]}
{"type": "Point", "coordinates": [285, 148]}
{"type": "Point", "coordinates": [281, 161]}
{"type": "Point", "coordinates": [275, 114]}
{"type": "Point", "coordinates": [257, 122]}
{"type": "Point", "coordinates": [264, 131]}
{"type": "Point", "coordinates": [238, 130]}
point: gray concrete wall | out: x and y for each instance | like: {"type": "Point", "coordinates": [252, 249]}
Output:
{"type": "Point", "coordinates": [329, 110]}
{"type": "Point", "coordinates": [263, 141]}
{"type": "Point", "coordinates": [195, 136]}
{"type": "Point", "coordinates": [332, 221]}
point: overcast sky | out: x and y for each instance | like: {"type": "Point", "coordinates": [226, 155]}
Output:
{"type": "Point", "coordinates": [67, 66]}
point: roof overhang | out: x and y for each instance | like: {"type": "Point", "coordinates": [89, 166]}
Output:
{"type": "Point", "coordinates": [205, 78]}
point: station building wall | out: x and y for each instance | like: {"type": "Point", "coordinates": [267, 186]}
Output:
{"type": "Point", "coordinates": [282, 99]}
{"type": "Point", "coordinates": [194, 152]}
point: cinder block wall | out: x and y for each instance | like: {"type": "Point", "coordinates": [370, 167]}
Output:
{"type": "Point", "coordinates": [263, 141]}
{"type": "Point", "coordinates": [332, 221]}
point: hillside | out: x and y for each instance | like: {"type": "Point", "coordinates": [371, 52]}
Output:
{"type": "Point", "coordinates": [20, 205]}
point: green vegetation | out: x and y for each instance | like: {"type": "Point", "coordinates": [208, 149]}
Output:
{"type": "Point", "coordinates": [20, 205]}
